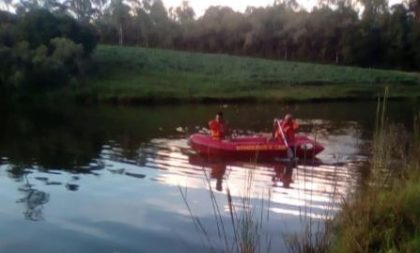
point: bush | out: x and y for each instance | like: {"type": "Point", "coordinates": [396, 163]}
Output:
{"type": "Point", "coordinates": [39, 49]}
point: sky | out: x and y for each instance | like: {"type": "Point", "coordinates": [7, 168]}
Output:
{"type": "Point", "coordinates": [200, 6]}
{"type": "Point", "coordinates": [239, 5]}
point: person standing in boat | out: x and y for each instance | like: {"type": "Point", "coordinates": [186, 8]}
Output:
{"type": "Point", "coordinates": [289, 127]}
{"type": "Point", "coordinates": [218, 128]}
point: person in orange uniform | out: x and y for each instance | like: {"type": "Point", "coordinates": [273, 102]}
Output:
{"type": "Point", "coordinates": [289, 127]}
{"type": "Point", "coordinates": [217, 127]}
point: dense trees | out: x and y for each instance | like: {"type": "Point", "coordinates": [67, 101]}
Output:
{"type": "Point", "coordinates": [366, 33]}
{"type": "Point", "coordinates": [40, 49]}
{"type": "Point", "coordinates": [333, 32]}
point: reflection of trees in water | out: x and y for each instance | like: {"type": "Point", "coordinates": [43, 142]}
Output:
{"type": "Point", "coordinates": [72, 187]}
{"type": "Point", "coordinates": [20, 172]}
{"type": "Point", "coordinates": [66, 136]}
{"type": "Point", "coordinates": [52, 138]}
{"type": "Point", "coordinates": [17, 171]}
{"type": "Point", "coordinates": [34, 201]}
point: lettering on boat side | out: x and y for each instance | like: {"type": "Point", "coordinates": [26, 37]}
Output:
{"type": "Point", "coordinates": [259, 147]}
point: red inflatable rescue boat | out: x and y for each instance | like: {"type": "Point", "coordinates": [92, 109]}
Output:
{"type": "Point", "coordinates": [254, 146]}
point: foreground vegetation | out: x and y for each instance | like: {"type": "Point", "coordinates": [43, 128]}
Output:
{"type": "Point", "coordinates": [386, 221]}
{"type": "Point", "coordinates": [385, 217]}
{"type": "Point", "coordinates": [130, 74]}
{"type": "Point", "coordinates": [384, 214]}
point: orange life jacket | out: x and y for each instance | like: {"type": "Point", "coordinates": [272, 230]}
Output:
{"type": "Point", "coordinates": [216, 129]}
{"type": "Point", "coordinates": [289, 129]}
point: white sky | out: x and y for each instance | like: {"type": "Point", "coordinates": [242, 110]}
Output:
{"type": "Point", "coordinates": [239, 5]}
{"type": "Point", "coordinates": [200, 6]}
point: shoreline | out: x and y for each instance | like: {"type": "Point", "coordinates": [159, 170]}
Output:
{"type": "Point", "coordinates": [154, 101]}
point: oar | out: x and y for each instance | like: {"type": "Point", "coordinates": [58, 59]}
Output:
{"type": "Point", "coordinates": [289, 149]}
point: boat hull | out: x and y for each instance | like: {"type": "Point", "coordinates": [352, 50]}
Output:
{"type": "Point", "coordinates": [254, 147]}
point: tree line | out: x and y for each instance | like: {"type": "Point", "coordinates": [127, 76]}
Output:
{"type": "Point", "coordinates": [365, 33]}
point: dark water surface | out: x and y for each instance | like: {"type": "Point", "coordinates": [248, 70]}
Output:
{"type": "Point", "coordinates": [108, 179]}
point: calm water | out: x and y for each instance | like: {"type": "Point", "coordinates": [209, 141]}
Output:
{"type": "Point", "coordinates": [108, 179]}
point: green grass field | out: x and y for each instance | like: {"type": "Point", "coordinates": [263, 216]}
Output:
{"type": "Point", "coordinates": [126, 74]}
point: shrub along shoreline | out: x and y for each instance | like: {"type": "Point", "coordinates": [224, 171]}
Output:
{"type": "Point", "coordinates": [385, 216]}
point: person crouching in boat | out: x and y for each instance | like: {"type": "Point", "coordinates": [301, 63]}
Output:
{"type": "Point", "coordinates": [218, 127]}
{"type": "Point", "coordinates": [289, 127]}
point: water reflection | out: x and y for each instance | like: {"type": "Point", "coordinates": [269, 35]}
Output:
{"type": "Point", "coordinates": [283, 169]}
{"type": "Point", "coordinates": [295, 186]}
{"type": "Point", "coordinates": [69, 137]}
{"type": "Point", "coordinates": [33, 201]}
{"type": "Point", "coordinates": [126, 173]}
{"type": "Point", "coordinates": [72, 187]}
{"type": "Point", "coordinates": [283, 174]}
{"type": "Point", "coordinates": [122, 166]}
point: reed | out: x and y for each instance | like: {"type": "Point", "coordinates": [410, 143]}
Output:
{"type": "Point", "coordinates": [316, 236]}
{"type": "Point", "coordinates": [385, 217]}
{"type": "Point", "coordinates": [244, 219]}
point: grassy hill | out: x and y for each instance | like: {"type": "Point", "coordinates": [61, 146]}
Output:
{"type": "Point", "coordinates": [127, 74]}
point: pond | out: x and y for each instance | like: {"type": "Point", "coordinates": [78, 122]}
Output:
{"type": "Point", "coordinates": [79, 178]}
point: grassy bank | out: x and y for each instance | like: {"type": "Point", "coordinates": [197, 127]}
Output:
{"type": "Point", "coordinates": [385, 217]}
{"type": "Point", "coordinates": [386, 221]}
{"type": "Point", "coordinates": [130, 74]}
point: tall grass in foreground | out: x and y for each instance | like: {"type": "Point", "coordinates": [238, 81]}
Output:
{"type": "Point", "coordinates": [385, 217]}
{"type": "Point", "coordinates": [246, 222]}
{"type": "Point", "coordinates": [316, 234]}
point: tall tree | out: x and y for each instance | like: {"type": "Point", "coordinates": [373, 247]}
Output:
{"type": "Point", "coordinates": [119, 13]}
{"type": "Point", "coordinates": [161, 30]}
{"type": "Point", "coordinates": [184, 14]}
{"type": "Point", "coordinates": [290, 4]}
{"type": "Point", "coordinates": [415, 9]}
{"type": "Point", "coordinates": [100, 7]}
{"type": "Point", "coordinates": [373, 9]}
{"type": "Point", "coordinates": [82, 9]}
